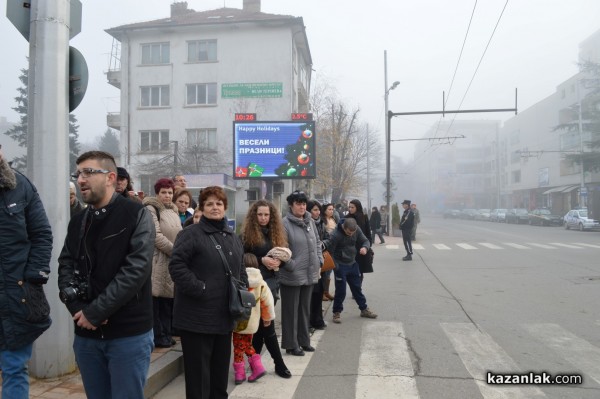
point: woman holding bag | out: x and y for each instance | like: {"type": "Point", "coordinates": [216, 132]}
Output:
{"type": "Point", "coordinates": [201, 311]}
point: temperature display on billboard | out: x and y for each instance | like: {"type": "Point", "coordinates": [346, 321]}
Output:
{"type": "Point", "coordinates": [281, 150]}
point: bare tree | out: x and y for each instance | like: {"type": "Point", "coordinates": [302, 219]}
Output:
{"type": "Point", "coordinates": [342, 145]}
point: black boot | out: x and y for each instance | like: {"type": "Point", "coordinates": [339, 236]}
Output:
{"type": "Point", "coordinates": [273, 347]}
{"type": "Point", "coordinates": [407, 257]}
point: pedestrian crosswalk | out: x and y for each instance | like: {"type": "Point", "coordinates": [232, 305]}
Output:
{"type": "Point", "coordinates": [495, 246]}
{"type": "Point", "coordinates": [385, 366]}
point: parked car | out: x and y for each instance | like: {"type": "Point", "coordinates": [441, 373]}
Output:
{"type": "Point", "coordinates": [482, 214]}
{"type": "Point", "coordinates": [578, 219]}
{"type": "Point", "coordinates": [468, 214]}
{"type": "Point", "coordinates": [451, 213]}
{"type": "Point", "coordinates": [518, 216]}
{"type": "Point", "coordinates": [543, 217]}
{"type": "Point", "coordinates": [498, 215]}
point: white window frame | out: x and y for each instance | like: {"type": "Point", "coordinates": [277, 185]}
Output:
{"type": "Point", "coordinates": [155, 96]}
{"type": "Point", "coordinates": [205, 139]}
{"type": "Point", "coordinates": [155, 53]}
{"type": "Point", "coordinates": [199, 90]}
{"type": "Point", "coordinates": [152, 141]}
{"type": "Point", "coordinates": [202, 50]}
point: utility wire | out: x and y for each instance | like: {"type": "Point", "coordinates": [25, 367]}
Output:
{"type": "Point", "coordinates": [478, 65]}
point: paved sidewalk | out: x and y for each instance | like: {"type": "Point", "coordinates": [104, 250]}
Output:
{"type": "Point", "coordinates": [70, 386]}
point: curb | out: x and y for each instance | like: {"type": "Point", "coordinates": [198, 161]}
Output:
{"type": "Point", "coordinates": [164, 370]}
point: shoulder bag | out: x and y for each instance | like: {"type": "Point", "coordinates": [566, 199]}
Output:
{"type": "Point", "coordinates": [328, 263]}
{"type": "Point", "coordinates": [241, 301]}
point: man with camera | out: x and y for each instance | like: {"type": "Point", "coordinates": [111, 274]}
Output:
{"type": "Point", "coordinates": [25, 252]}
{"type": "Point", "coordinates": [104, 280]}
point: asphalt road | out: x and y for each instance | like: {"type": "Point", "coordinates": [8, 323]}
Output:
{"type": "Point", "coordinates": [477, 297]}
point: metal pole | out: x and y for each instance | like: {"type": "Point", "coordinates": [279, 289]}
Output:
{"type": "Point", "coordinates": [48, 164]}
{"type": "Point", "coordinates": [368, 176]}
{"type": "Point", "coordinates": [580, 128]}
{"type": "Point", "coordinates": [497, 166]}
{"type": "Point", "coordinates": [387, 146]}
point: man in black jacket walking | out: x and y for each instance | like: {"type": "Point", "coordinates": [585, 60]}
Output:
{"type": "Point", "coordinates": [104, 280]}
{"type": "Point", "coordinates": [406, 224]}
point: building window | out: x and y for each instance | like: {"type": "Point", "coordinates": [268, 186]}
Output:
{"type": "Point", "coordinates": [201, 94]}
{"type": "Point", "coordinates": [202, 50]}
{"type": "Point", "coordinates": [516, 176]}
{"type": "Point", "coordinates": [154, 140]}
{"type": "Point", "coordinates": [155, 53]}
{"type": "Point", "coordinates": [205, 139]}
{"type": "Point", "coordinates": [155, 96]}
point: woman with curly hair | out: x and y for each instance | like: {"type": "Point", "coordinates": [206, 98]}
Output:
{"type": "Point", "coordinates": [355, 211]}
{"type": "Point", "coordinates": [263, 230]}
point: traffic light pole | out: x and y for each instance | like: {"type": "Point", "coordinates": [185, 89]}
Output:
{"type": "Point", "coordinates": [48, 163]}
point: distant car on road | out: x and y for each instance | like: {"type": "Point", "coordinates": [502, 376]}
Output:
{"type": "Point", "coordinates": [498, 215]}
{"type": "Point", "coordinates": [543, 217]}
{"type": "Point", "coordinates": [451, 213]}
{"type": "Point", "coordinates": [517, 215]}
{"type": "Point", "coordinates": [468, 214]}
{"type": "Point", "coordinates": [578, 219]}
{"type": "Point", "coordinates": [482, 214]}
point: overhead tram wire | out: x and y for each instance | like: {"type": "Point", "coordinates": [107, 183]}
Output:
{"type": "Point", "coordinates": [456, 68]}
{"type": "Point", "coordinates": [478, 65]}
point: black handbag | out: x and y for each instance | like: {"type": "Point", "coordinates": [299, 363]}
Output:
{"type": "Point", "coordinates": [241, 301]}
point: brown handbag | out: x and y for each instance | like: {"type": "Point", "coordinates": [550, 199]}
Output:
{"type": "Point", "coordinates": [328, 263]}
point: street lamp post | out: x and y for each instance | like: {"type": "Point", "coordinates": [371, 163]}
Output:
{"type": "Point", "coordinates": [582, 191]}
{"type": "Point", "coordinates": [388, 142]}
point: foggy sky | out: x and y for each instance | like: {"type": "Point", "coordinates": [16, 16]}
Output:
{"type": "Point", "coordinates": [534, 48]}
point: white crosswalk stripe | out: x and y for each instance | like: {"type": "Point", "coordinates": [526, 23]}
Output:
{"type": "Point", "coordinates": [541, 245]}
{"type": "Point", "coordinates": [464, 245]}
{"type": "Point", "coordinates": [558, 244]}
{"type": "Point", "coordinates": [587, 245]}
{"type": "Point", "coordinates": [385, 368]}
{"type": "Point", "coordinates": [517, 246]}
{"type": "Point", "coordinates": [577, 351]}
{"type": "Point", "coordinates": [442, 246]}
{"type": "Point", "coordinates": [480, 354]}
{"type": "Point", "coordinates": [418, 246]}
{"type": "Point", "coordinates": [296, 364]}
{"type": "Point", "coordinates": [490, 245]}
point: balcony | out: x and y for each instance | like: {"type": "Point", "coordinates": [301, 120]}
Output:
{"type": "Point", "coordinates": [113, 120]}
{"type": "Point", "coordinates": [114, 78]}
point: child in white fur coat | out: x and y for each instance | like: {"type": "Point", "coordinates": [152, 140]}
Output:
{"type": "Point", "coordinates": [264, 312]}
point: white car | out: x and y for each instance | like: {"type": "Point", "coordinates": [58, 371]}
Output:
{"type": "Point", "coordinates": [578, 219]}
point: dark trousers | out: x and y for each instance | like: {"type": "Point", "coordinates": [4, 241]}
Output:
{"type": "Point", "coordinates": [407, 242]}
{"type": "Point", "coordinates": [163, 318]}
{"type": "Point", "coordinates": [295, 314]}
{"type": "Point", "coordinates": [348, 273]}
{"type": "Point", "coordinates": [316, 305]}
{"type": "Point", "coordinates": [268, 337]}
{"type": "Point", "coordinates": [206, 364]}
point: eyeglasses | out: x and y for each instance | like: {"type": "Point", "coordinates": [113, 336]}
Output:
{"type": "Point", "coordinates": [86, 173]}
{"type": "Point", "coordinates": [180, 180]}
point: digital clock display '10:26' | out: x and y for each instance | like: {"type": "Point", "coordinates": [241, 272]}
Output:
{"type": "Point", "coordinates": [245, 117]}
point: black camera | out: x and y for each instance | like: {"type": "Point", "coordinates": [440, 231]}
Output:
{"type": "Point", "coordinates": [78, 289]}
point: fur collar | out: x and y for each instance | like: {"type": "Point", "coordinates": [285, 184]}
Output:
{"type": "Point", "coordinates": [7, 176]}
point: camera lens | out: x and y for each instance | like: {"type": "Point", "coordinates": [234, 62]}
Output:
{"type": "Point", "coordinates": [68, 294]}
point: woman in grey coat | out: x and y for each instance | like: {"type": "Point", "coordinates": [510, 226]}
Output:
{"type": "Point", "coordinates": [298, 276]}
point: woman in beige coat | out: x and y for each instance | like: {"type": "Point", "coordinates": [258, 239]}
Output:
{"type": "Point", "coordinates": [167, 224]}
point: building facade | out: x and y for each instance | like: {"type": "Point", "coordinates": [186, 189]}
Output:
{"type": "Point", "coordinates": [183, 78]}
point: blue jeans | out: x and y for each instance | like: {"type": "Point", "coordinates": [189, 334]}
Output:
{"type": "Point", "coordinates": [15, 379]}
{"type": "Point", "coordinates": [115, 368]}
{"type": "Point", "coordinates": [351, 274]}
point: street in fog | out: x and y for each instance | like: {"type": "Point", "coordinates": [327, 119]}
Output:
{"type": "Point", "coordinates": [477, 297]}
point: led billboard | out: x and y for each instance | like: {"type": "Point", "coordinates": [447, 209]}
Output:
{"type": "Point", "coordinates": [278, 150]}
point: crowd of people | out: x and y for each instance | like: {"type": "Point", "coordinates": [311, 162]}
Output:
{"type": "Point", "coordinates": [135, 271]}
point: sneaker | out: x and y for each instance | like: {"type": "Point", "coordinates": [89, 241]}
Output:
{"type": "Point", "coordinates": [366, 313]}
{"type": "Point", "coordinates": [337, 317]}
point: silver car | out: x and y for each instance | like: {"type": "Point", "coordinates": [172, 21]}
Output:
{"type": "Point", "coordinates": [578, 219]}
